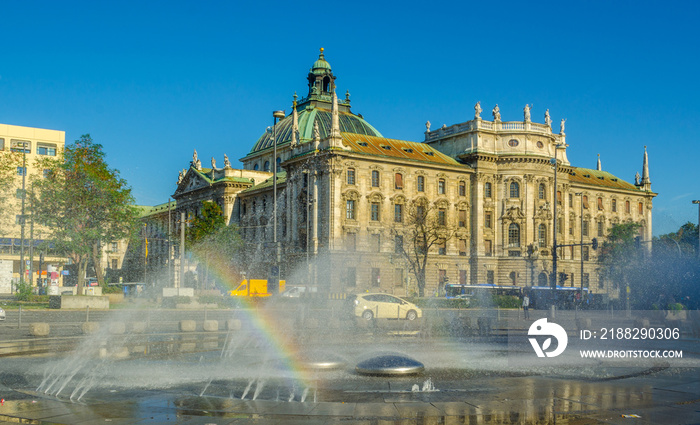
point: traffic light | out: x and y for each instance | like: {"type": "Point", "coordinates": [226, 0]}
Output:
{"type": "Point", "coordinates": [563, 277]}
{"type": "Point", "coordinates": [594, 243]}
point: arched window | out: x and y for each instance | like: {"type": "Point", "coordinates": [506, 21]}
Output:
{"type": "Point", "coordinates": [542, 235]}
{"type": "Point", "coordinates": [266, 167]}
{"type": "Point", "coordinates": [487, 190]}
{"type": "Point", "coordinates": [256, 167]}
{"type": "Point", "coordinates": [540, 191]}
{"type": "Point", "coordinates": [441, 187]}
{"type": "Point", "coordinates": [514, 190]}
{"type": "Point", "coordinates": [420, 184]}
{"type": "Point", "coordinates": [542, 279]}
{"type": "Point", "coordinates": [513, 235]}
{"type": "Point", "coordinates": [279, 161]}
{"type": "Point", "coordinates": [327, 84]}
{"type": "Point", "coordinates": [351, 176]}
{"type": "Point", "coordinates": [375, 178]}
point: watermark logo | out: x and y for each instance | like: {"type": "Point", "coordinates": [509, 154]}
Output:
{"type": "Point", "coordinates": [542, 328]}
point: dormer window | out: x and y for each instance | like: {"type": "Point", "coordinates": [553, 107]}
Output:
{"type": "Point", "coordinates": [386, 147]}
{"type": "Point", "coordinates": [429, 153]}
{"type": "Point", "coordinates": [363, 144]}
{"type": "Point", "coordinates": [408, 150]}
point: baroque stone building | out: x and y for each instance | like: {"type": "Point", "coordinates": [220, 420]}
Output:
{"type": "Point", "coordinates": [342, 186]}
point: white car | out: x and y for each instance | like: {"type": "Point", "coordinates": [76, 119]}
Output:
{"type": "Point", "coordinates": [2, 314]}
{"type": "Point", "coordinates": [384, 306]}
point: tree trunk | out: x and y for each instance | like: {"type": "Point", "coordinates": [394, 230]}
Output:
{"type": "Point", "coordinates": [82, 270]}
{"type": "Point", "coordinates": [96, 257]}
{"type": "Point", "coordinates": [420, 277]}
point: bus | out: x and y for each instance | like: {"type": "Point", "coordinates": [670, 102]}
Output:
{"type": "Point", "coordinates": [566, 296]}
{"type": "Point", "coordinates": [455, 290]}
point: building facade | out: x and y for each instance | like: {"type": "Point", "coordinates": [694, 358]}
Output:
{"type": "Point", "coordinates": [21, 242]}
{"type": "Point", "coordinates": [339, 190]}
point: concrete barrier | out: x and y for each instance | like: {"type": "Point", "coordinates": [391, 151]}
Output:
{"type": "Point", "coordinates": [211, 325]}
{"type": "Point", "coordinates": [188, 326]}
{"type": "Point", "coordinates": [641, 323]}
{"type": "Point", "coordinates": [83, 301]}
{"type": "Point", "coordinates": [138, 327]}
{"type": "Point", "coordinates": [583, 323]}
{"type": "Point", "coordinates": [39, 329]}
{"type": "Point", "coordinates": [233, 325]}
{"type": "Point", "coordinates": [90, 327]}
{"type": "Point", "coordinates": [117, 328]}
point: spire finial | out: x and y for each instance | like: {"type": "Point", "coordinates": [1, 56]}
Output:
{"type": "Point", "coordinates": [646, 182]}
{"type": "Point", "coordinates": [320, 53]}
{"type": "Point", "coordinates": [599, 167]}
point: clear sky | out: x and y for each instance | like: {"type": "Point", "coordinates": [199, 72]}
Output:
{"type": "Point", "coordinates": [153, 80]}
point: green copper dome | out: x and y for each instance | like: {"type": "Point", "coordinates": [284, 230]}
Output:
{"type": "Point", "coordinates": [321, 63]}
{"type": "Point", "coordinates": [349, 123]}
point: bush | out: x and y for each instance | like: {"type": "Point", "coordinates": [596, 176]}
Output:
{"type": "Point", "coordinates": [171, 302]}
{"type": "Point", "coordinates": [676, 307]}
{"type": "Point", "coordinates": [112, 289]}
{"type": "Point", "coordinates": [24, 291]}
{"type": "Point", "coordinates": [209, 299]}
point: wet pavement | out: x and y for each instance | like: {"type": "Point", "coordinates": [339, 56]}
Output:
{"type": "Point", "coordinates": [242, 378]}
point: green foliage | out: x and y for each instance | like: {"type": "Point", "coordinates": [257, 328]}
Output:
{"type": "Point", "coordinates": [23, 291]}
{"type": "Point", "coordinates": [112, 289]}
{"type": "Point", "coordinates": [171, 302]}
{"type": "Point", "coordinates": [82, 202]}
{"type": "Point", "coordinates": [208, 223]}
{"type": "Point", "coordinates": [209, 299]}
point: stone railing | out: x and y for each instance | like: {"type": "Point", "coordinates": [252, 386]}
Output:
{"type": "Point", "coordinates": [479, 124]}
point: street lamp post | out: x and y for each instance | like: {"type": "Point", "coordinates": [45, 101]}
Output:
{"type": "Point", "coordinates": [275, 116]}
{"type": "Point", "coordinates": [698, 202]}
{"type": "Point", "coordinates": [555, 162]}
{"type": "Point", "coordinates": [22, 266]}
{"type": "Point", "coordinates": [580, 195]}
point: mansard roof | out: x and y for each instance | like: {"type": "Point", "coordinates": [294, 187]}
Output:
{"type": "Point", "coordinates": [599, 178]}
{"type": "Point", "coordinates": [401, 149]}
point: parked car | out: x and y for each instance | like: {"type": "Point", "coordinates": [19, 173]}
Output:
{"type": "Point", "coordinates": [2, 314]}
{"type": "Point", "coordinates": [384, 306]}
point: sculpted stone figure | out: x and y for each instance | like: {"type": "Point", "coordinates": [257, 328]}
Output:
{"type": "Point", "coordinates": [477, 110]}
{"type": "Point", "coordinates": [563, 125]}
{"type": "Point", "coordinates": [637, 178]}
{"type": "Point", "coordinates": [196, 163]}
{"type": "Point", "coordinates": [227, 163]}
{"type": "Point", "coordinates": [496, 113]}
{"type": "Point", "coordinates": [526, 112]}
{"type": "Point", "coordinates": [547, 118]}
{"type": "Point", "coordinates": [181, 175]}
{"type": "Point", "coordinates": [213, 163]}
{"type": "Point", "coordinates": [427, 126]}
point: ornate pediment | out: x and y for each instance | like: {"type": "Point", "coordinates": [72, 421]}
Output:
{"type": "Point", "coordinates": [513, 214]}
{"type": "Point", "coordinates": [191, 181]}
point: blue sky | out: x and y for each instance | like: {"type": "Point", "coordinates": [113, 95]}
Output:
{"type": "Point", "coordinates": [152, 80]}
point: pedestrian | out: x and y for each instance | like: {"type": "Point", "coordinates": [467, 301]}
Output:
{"type": "Point", "coordinates": [526, 306]}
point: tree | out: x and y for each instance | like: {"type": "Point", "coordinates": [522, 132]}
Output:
{"type": "Point", "coordinates": [619, 255]}
{"type": "Point", "coordinates": [424, 228]}
{"type": "Point", "coordinates": [210, 239]}
{"type": "Point", "coordinates": [83, 203]}
{"type": "Point", "coordinates": [9, 161]}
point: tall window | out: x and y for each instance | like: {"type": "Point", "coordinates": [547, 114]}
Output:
{"type": "Point", "coordinates": [351, 176]}
{"type": "Point", "coordinates": [374, 212]}
{"type": "Point", "coordinates": [398, 244]}
{"type": "Point", "coordinates": [114, 264]}
{"type": "Point", "coordinates": [278, 163]}
{"type": "Point", "coordinates": [600, 204]}
{"type": "Point", "coordinates": [540, 191]}
{"type": "Point", "coordinates": [585, 201]}
{"type": "Point", "coordinates": [462, 188]}
{"type": "Point", "coordinates": [487, 190]}
{"type": "Point", "coordinates": [463, 247]}
{"type": "Point", "coordinates": [586, 253]}
{"type": "Point", "coordinates": [420, 213]}
{"type": "Point", "coordinates": [115, 247]}
{"type": "Point", "coordinates": [266, 167]}
{"type": "Point", "coordinates": [513, 235]}
{"type": "Point", "coordinates": [398, 213]}
{"type": "Point", "coordinates": [441, 187]}
{"type": "Point", "coordinates": [442, 217]}
{"type": "Point", "coordinates": [487, 220]}
{"type": "Point", "coordinates": [488, 247]}
{"type": "Point", "coordinates": [584, 230]}
{"type": "Point", "coordinates": [420, 184]}
{"type": "Point", "coordinates": [542, 235]}
{"type": "Point", "coordinates": [398, 181]}
{"type": "Point", "coordinates": [641, 208]}
{"type": "Point", "coordinates": [627, 207]}
{"type": "Point", "coordinates": [600, 228]}
{"type": "Point", "coordinates": [350, 209]}
{"type": "Point", "coordinates": [350, 242]}
{"type": "Point", "coordinates": [375, 178]}
{"type": "Point", "coordinates": [462, 222]}
{"type": "Point", "coordinates": [375, 242]}
{"type": "Point", "coordinates": [559, 200]}
{"type": "Point", "coordinates": [398, 277]}
{"type": "Point", "coordinates": [442, 247]}
{"type": "Point", "coordinates": [514, 190]}
{"type": "Point", "coordinates": [614, 205]}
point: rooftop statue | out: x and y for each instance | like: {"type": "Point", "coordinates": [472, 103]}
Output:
{"type": "Point", "coordinates": [563, 125]}
{"type": "Point", "coordinates": [547, 118]}
{"type": "Point", "coordinates": [196, 163]}
{"type": "Point", "coordinates": [477, 110]}
{"type": "Point", "coordinates": [427, 126]}
{"type": "Point", "coordinates": [637, 178]}
{"type": "Point", "coordinates": [180, 177]}
{"type": "Point", "coordinates": [526, 112]}
{"type": "Point", "coordinates": [213, 163]}
{"type": "Point", "coordinates": [227, 163]}
{"type": "Point", "coordinates": [496, 113]}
